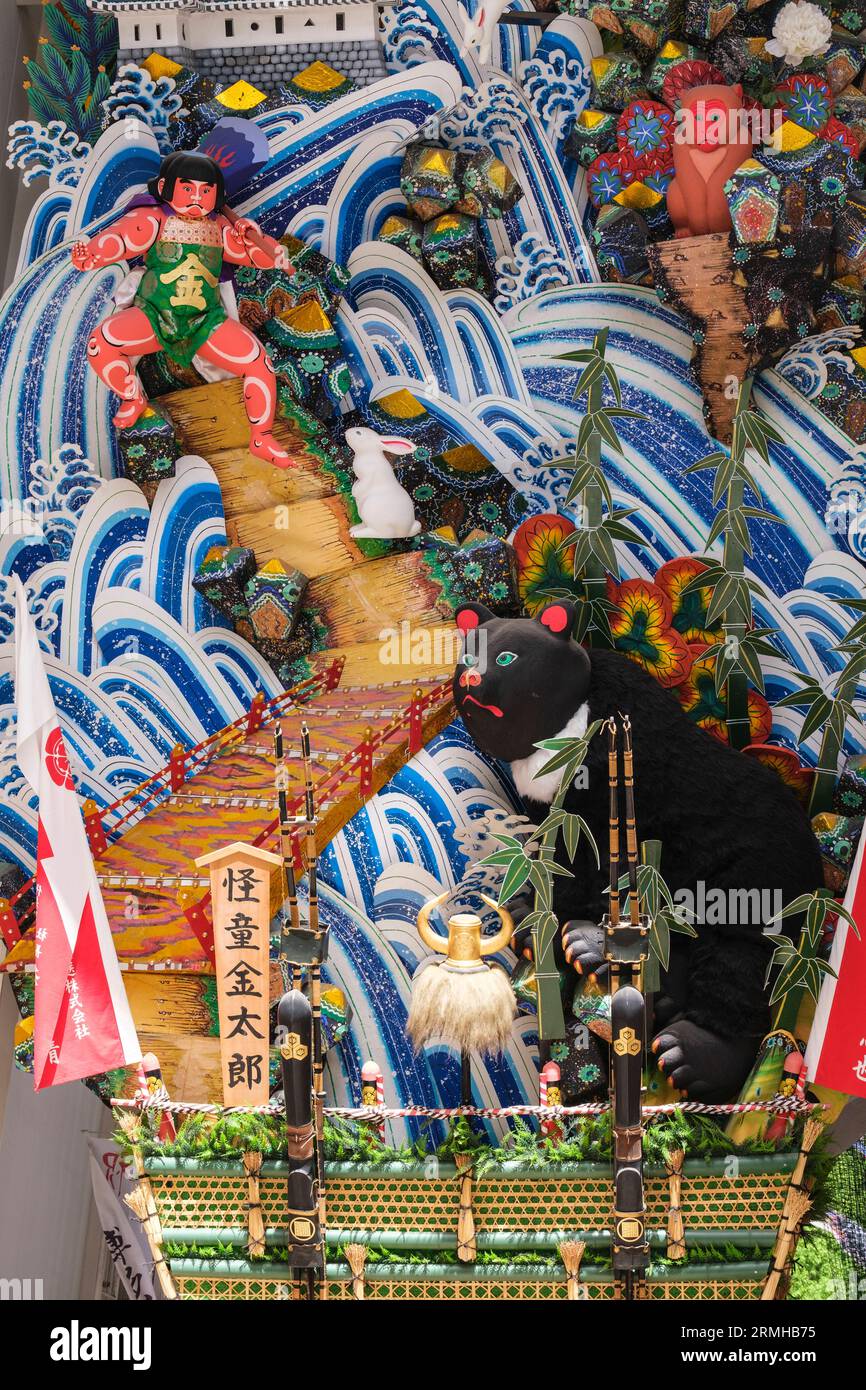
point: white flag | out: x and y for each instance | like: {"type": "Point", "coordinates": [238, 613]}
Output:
{"type": "Point", "coordinates": [127, 1244]}
{"type": "Point", "coordinates": [82, 1022]}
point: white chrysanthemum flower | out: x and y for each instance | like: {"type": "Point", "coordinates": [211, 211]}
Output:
{"type": "Point", "coordinates": [801, 31]}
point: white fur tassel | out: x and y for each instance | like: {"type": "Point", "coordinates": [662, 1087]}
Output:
{"type": "Point", "coordinates": [470, 1010]}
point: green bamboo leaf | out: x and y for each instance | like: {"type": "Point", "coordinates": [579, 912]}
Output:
{"type": "Point", "coordinates": [709, 461]}
{"type": "Point", "coordinates": [593, 372]}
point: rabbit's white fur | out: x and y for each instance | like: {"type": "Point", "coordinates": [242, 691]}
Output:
{"type": "Point", "coordinates": [479, 29]}
{"type": "Point", "coordinates": [386, 510]}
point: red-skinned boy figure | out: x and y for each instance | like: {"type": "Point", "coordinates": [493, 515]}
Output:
{"type": "Point", "coordinates": [184, 235]}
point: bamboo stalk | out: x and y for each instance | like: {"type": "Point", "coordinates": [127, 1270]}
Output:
{"type": "Point", "coordinates": [255, 1221]}
{"type": "Point", "coordinates": [466, 1242]}
{"type": "Point", "coordinates": [824, 784]}
{"type": "Point", "coordinates": [733, 621]}
{"type": "Point", "coordinates": [571, 1254]}
{"type": "Point", "coordinates": [595, 576]}
{"type": "Point", "coordinates": [676, 1246]}
{"type": "Point", "coordinates": [357, 1258]}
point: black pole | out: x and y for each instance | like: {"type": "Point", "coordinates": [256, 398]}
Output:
{"type": "Point", "coordinates": [465, 1078]}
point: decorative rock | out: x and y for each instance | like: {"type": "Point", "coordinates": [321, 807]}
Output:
{"type": "Point", "coordinates": [649, 200]}
{"type": "Point", "coordinates": [221, 578]}
{"type": "Point", "coordinates": [484, 570]}
{"type": "Point", "coordinates": [450, 247]}
{"type": "Point", "coordinates": [817, 176]}
{"type": "Point", "coordinates": [487, 186]}
{"type": "Point", "coordinates": [849, 798]}
{"type": "Point", "coordinates": [646, 22]}
{"type": "Point", "coordinates": [849, 237]}
{"type": "Point", "coordinates": [705, 19]}
{"type": "Point", "coordinates": [673, 52]}
{"type": "Point", "coordinates": [273, 597]}
{"type": "Point", "coordinates": [428, 180]}
{"type": "Point", "coordinates": [405, 232]}
{"type": "Point", "coordinates": [149, 449]}
{"type": "Point", "coordinates": [318, 85]}
{"type": "Point", "coordinates": [620, 238]}
{"type": "Point", "coordinates": [840, 66]}
{"type": "Point", "coordinates": [843, 305]}
{"type": "Point", "coordinates": [754, 197]}
{"type": "Point", "coordinates": [838, 838]}
{"type": "Point", "coordinates": [593, 133]}
{"type": "Point", "coordinates": [617, 79]}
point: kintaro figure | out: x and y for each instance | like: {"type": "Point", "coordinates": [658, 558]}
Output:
{"type": "Point", "coordinates": [725, 821]}
{"type": "Point", "coordinates": [184, 234]}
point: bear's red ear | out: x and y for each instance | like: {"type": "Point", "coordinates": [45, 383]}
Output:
{"type": "Point", "coordinates": [558, 618]}
{"type": "Point", "coordinates": [470, 615]}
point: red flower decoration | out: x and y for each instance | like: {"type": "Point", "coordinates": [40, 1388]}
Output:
{"type": "Point", "coordinates": [694, 72]}
{"type": "Point", "coordinates": [785, 761]}
{"type": "Point", "coordinates": [608, 175]}
{"type": "Point", "coordinates": [843, 135]}
{"type": "Point", "coordinates": [56, 760]}
{"type": "Point", "coordinates": [645, 130]}
{"type": "Point", "coordinates": [642, 629]}
{"type": "Point", "coordinates": [540, 565]}
{"type": "Point", "coordinates": [689, 611]}
{"type": "Point", "coordinates": [706, 708]}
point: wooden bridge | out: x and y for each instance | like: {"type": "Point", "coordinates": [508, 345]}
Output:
{"type": "Point", "coordinates": [363, 727]}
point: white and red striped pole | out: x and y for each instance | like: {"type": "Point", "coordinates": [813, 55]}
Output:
{"type": "Point", "coordinates": [373, 1091]}
{"type": "Point", "coordinates": [549, 1093]}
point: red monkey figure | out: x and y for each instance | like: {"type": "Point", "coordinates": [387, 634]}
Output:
{"type": "Point", "coordinates": [712, 140]}
{"type": "Point", "coordinates": [184, 235]}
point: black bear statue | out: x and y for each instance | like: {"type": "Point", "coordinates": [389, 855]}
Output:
{"type": "Point", "coordinates": [731, 832]}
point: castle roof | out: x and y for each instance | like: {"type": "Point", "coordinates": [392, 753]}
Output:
{"type": "Point", "coordinates": [214, 6]}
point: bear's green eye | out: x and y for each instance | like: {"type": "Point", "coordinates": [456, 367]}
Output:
{"type": "Point", "coordinates": [506, 658]}
{"type": "Point", "coordinates": [469, 659]}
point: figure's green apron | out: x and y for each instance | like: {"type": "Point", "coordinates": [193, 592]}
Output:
{"type": "Point", "coordinates": [180, 293]}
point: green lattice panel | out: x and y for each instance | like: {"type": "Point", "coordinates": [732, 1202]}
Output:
{"type": "Point", "coordinates": [461, 1290]}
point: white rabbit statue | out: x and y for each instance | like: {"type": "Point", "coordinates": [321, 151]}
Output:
{"type": "Point", "coordinates": [386, 510]}
{"type": "Point", "coordinates": [479, 29]}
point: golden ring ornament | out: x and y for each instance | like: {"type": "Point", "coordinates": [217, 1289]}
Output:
{"type": "Point", "coordinates": [464, 947]}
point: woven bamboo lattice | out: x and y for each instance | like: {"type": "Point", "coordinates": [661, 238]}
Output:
{"type": "Point", "coordinates": [460, 1290]}
{"type": "Point", "coordinates": [751, 1201]}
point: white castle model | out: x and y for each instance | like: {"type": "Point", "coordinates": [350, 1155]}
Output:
{"type": "Point", "coordinates": [264, 41]}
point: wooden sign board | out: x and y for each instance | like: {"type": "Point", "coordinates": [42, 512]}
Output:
{"type": "Point", "coordinates": [240, 885]}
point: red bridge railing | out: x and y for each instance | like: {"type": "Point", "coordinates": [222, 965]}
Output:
{"type": "Point", "coordinates": [357, 765]}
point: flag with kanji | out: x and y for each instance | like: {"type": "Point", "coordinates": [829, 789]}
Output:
{"type": "Point", "coordinates": [82, 1022]}
{"type": "Point", "coordinates": [836, 1052]}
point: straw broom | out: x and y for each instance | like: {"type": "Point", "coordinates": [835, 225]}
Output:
{"type": "Point", "coordinates": [796, 1208]}
{"type": "Point", "coordinates": [797, 1203]}
{"type": "Point", "coordinates": [676, 1246]}
{"type": "Point", "coordinates": [141, 1204]}
{"type": "Point", "coordinates": [357, 1257]}
{"type": "Point", "coordinates": [141, 1201]}
{"type": "Point", "coordinates": [255, 1220]}
{"type": "Point", "coordinates": [466, 1243]}
{"type": "Point", "coordinates": [571, 1254]}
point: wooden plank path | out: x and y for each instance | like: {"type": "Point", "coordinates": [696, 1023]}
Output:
{"type": "Point", "coordinates": [157, 903]}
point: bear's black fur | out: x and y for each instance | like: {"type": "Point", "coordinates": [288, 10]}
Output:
{"type": "Point", "coordinates": [724, 820]}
